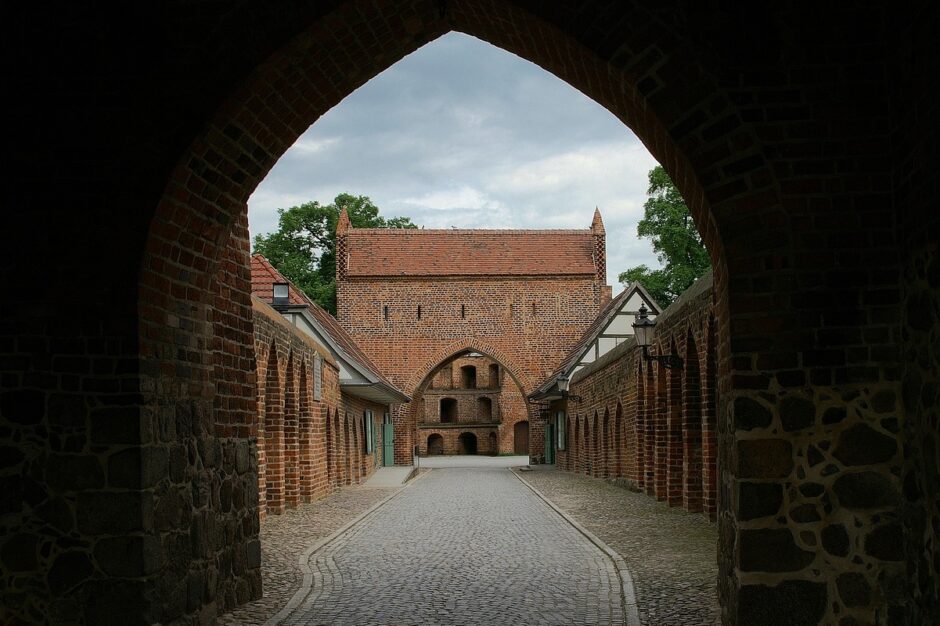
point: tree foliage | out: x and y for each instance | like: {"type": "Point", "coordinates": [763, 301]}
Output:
{"type": "Point", "coordinates": [303, 248]}
{"type": "Point", "coordinates": [677, 243]}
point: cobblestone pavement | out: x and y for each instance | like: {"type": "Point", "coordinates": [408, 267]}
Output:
{"type": "Point", "coordinates": [285, 537]}
{"type": "Point", "coordinates": [462, 546]}
{"type": "Point", "coordinates": [669, 552]}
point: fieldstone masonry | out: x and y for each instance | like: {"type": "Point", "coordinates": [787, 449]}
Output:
{"type": "Point", "coordinates": [803, 138]}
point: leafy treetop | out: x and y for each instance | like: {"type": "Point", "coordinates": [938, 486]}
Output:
{"type": "Point", "coordinates": [677, 243]}
{"type": "Point", "coordinates": [303, 248]}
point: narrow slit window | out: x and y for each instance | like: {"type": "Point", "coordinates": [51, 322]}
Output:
{"type": "Point", "coordinates": [385, 311]}
{"type": "Point", "coordinates": [463, 311]}
{"type": "Point", "coordinates": [419, 311]}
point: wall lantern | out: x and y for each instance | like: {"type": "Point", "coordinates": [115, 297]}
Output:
{"type": "Point", "coordinates": [564, 382]}
{"type": "Point", "coordinates": [643, 327]}
{"type": "Point", "coordinates": [281, 294]}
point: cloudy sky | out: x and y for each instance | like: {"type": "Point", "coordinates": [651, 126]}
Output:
{"type": "Point", "coordinates": [463, 134]}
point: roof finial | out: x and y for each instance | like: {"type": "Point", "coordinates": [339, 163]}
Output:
{"type": "Point", "coordinates": [598, 224]}
{"type": "Point", "coordinates": [343, 224]}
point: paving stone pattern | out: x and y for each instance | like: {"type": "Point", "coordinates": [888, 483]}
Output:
{"type": "Point", "coordinates": [285, 537]}
{"type": "Point", "coordinates": [462, 546]}
{"type": "Point", "coordinates": [669, 552]}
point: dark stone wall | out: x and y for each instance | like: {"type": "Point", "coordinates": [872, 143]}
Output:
{"type": "Point", "coordinates": [917, 190]}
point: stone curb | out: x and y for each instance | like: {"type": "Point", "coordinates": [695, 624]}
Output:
{"type": "Point", "coordinates": [628, 592]}
{"type": "Point", "coordinates": [304, 561]}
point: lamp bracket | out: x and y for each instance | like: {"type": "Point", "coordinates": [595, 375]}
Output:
{"type": "Point", "coordinates": [669, 361]}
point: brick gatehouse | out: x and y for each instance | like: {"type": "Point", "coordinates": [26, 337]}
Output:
{"type": "Point", "coordinates": [425, 304]}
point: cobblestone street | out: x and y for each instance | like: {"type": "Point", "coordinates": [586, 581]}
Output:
{"type": "Point", "coordinates": [462, 546]}
{"type": "Point", "coordinates": [476, 546]}
{"type": "Point", "coordinates": [285, 537]}
{"type": "Point", "coordinates": [670, 553]}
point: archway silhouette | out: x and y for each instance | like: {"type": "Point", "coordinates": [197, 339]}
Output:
{"type": "Point", "coordinates": [677, 108]}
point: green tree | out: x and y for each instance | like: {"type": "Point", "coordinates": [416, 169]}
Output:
{"type": "Point", "coordinates": [304, 246]}
{"type": "Point", "coordinates": [678, 246]}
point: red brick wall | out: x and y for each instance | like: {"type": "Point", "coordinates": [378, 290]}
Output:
{"type": "Point", "coordinates": [647, 425]}
{"type": "Point", "coordinates": [525, 324]}
{"type": "Point", "coordinates": [302, 454]}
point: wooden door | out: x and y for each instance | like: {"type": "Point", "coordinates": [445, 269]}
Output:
{"type": "Point", "coordinates": [521, 437]}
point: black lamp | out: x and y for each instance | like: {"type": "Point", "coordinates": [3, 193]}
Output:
{"type": "Point", "coordinates": [281, 294]}
{"type": "Point", "coordinates": [643, 329]}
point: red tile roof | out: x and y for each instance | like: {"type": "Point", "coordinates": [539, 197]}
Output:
{"type": "Point", "coordinates": [263, 277]}
{"type": "Point", "coordinates": [427, 252]}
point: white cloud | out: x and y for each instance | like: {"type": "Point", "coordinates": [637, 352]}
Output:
{"type": "Point", "coordinates": [460, 133]}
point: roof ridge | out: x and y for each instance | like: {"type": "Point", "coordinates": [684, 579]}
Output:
{"type": "Point", "coordinates": [520, 231]}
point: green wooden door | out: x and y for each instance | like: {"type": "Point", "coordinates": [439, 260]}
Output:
{"type": "Point", "coordinates": [388, 442]}
{"type": "Point", "coordinates": [549, 443]}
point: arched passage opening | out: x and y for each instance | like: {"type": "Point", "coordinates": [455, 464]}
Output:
{"type": "Point", "coordinates": [435, 445]}
{"type": "Point", "coordinates": [448, 411]}
{"type": "Point", "coordinates": [467, 443]}
{"type": "Point", "coordinates": [736, 178]}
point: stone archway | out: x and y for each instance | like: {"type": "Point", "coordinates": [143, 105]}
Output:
{"type": "Point", "coordinates": [748, 130]}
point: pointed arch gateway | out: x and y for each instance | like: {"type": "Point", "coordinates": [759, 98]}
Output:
{"type": "Point", "coordinates": [542, 33]}
{"type": "Point", "coordinates": [468, 407]}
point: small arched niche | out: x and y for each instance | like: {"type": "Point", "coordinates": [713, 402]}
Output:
{"type": "Point", "coordinates": [468, 377]}
{"type": "Point", "coordinates": [484, 410]}
{"type": "Point", "coordinates": [448, 410]}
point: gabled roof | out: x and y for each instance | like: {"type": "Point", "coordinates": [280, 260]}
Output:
{"type": "Point", "coordinates": [603, 320]}
{"type": "Point", "coordinates": [263, 277]}
{"type": "Point", "coordinates": [430, 252]}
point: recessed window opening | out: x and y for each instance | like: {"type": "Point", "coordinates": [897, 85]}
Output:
{"type": "Point", "coordinates": [419, 311]}
{"type": "Point", "coordinates": [494, 375]}
{"type": "Point", "coordinates": [463, 311]}
{"type": "Point", "coordinates": [484, 409]}
{"type": "Point", "coordinates": [385, 311]}
{"type": "Point", "coordinates": [468, 377]}
{"type": "Point", "coordinates": [448, 410]}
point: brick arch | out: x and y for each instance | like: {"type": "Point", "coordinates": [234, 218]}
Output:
{"type": "Point", "coordinates": [273, 438]}
{"type": "Point", "coordinates": [650, 79]}
{"type": "Point", "coordinates": [520, 375]}
{"type": "Point", "coordinates": [291, 435]}
{"type": "Point", "coordinates": [306, 435]}
{"type": "Point", "coordinates": [692, 427]}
